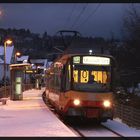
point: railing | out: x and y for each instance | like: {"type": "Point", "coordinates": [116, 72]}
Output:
{"type": "Point", "coordinates": [9, 89]}
{"type": "Point", "coordinates": [28, 86]}
{"type": "Point", "coordinates": [2, 91]}
{"type": "Point", "coordinates": [128, 114]}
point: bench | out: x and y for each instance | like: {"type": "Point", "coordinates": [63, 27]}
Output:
{"type": "Point", "coordinates": [3, 100]}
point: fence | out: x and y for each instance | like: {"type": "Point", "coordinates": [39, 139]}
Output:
{"type": "Point", "coordinates": [8, 90]}
{"type": "Point", "coordinates": [2, 91]}
{"type": "Point", "coordinates": [128, 115]}
{"type": "Point", "coordinates": [28, 86]}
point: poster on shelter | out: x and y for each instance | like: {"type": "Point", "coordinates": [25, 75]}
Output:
{"type": "Point", "coordinates": [18, 85]}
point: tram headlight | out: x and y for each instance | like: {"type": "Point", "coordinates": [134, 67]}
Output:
{"type": "Point", "coordinates": [107, 103]}
{"type": "Point", "coordinates": [76, 102]}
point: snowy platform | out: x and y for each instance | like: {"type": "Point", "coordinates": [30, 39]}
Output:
{"type": "Point", "coordinates": [31, 117]}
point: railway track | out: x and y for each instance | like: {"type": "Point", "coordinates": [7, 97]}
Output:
{"type": "Point", "coordinates": [84, 129]}
{"type": "Point", "coordinates": [93, 130]}
{"type": "Point", "coordinates": [113, 131]}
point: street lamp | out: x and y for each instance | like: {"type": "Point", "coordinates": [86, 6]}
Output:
{"type": "Point", "coordinates": [7, 42]}
{"type": "Point", "coordinates": [17, 54]}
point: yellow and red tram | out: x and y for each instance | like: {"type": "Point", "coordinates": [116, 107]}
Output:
{"type": "Point", "coordinates": [81, 85]}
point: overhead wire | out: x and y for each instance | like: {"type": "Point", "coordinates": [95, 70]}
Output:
{"type": "Point", "coordinates": [60, 25]}
{"type": "Point", "coordinates": [78, 17]}
{"type": "Point", "coordinates": [92, 13]}
{"type": "Point", "coordinates": [69, 18]}
{"type": "Point", "coordinates": [80, 14]}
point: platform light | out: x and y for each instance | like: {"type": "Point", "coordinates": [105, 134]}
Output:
{"type": "Point", "coordinates": [8, 41]}
{"type": "Point", "coordinates": [17, 54]}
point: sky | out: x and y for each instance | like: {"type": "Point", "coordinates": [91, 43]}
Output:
{"type": "Point", "coordinates": [92, 19]}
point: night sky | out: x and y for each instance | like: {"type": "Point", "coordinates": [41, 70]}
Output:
{"type": "Point", "coordinates": [92, 19]}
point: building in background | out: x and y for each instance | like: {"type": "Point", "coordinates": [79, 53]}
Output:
{"type": "Point", "coordinates": [22, 59]}
{"type": "Point", "coordinates": [9, 60]}
{"type": "Point", "coordinates": [40, 64]}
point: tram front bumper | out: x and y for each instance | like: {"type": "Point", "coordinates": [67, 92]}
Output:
{"type": "Point", "coordinates": [90, 112]}
{"type": "Point", "coordinates": [75, 112]}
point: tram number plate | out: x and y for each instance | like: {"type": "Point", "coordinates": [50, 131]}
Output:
{"type": "Point", "coordinates": [92, 113]}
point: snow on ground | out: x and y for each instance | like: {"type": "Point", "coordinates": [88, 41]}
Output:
{"type": "Point", "coordinates": [30, 117]}
{"type": "Point", "coordinates": [122, 128]}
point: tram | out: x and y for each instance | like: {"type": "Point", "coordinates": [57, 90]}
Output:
{"type": "Point", "coordinates": [81, 85]}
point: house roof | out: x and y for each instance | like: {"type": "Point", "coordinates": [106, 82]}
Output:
{"type": "Point", "coordinates": [22, 58]}
{"type": "Point", "coordinates": [9, 52]}
{"type": "Point", "coordinates": [41, 62]}
{"type": "Point", "coordinates": [38, 60]}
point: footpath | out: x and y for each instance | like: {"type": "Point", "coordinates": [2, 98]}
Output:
{"type": "Point", "coordinates": [30, 117]}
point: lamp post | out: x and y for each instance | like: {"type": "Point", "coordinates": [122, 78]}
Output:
{"type": "Point", "coordinates": [8, 41]}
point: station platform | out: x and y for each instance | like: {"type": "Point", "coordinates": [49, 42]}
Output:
{"type": "Point", "coordinates": [30, 117]}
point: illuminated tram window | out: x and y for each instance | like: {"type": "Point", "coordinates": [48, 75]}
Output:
{"type": "Point", "coordinates": [84, 76]}
{"type": "Point", "coordinates": [69, 68]}
{"type": "Point", "coordinates": [104, 77]}
{"type": "Point", "coordinates": [75, 76]}
{"type": "Point", "coordinates": [100, 76]}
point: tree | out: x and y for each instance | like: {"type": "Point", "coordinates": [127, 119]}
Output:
{"type": "Point", "coordinates": [131, 26]}
{"type": "Point", "coordinates": [132, 32]}
{"type": "Point", "coordinates": [132, 22]}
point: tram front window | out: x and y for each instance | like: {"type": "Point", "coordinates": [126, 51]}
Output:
{"type": "Point", "coordinates": [91, 78]}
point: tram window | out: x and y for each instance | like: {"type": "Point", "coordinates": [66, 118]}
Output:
{"type": "Point", "coordinates": [68, 76]}
{"type": "Point", "coordinates": [57, 77]}
{"type": "Point", "coordinates": [51, 80]}
{"type": "Point", "coordinates": [75, 76]}
{"type": "Point", "coordinates": [85, 76]}
{"type": "Point", "coordinates": [95, 78]}
{"type": "Point", "coordinates": [100, 76]}
{"type": "Point", "coordinates": [69, 71]}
